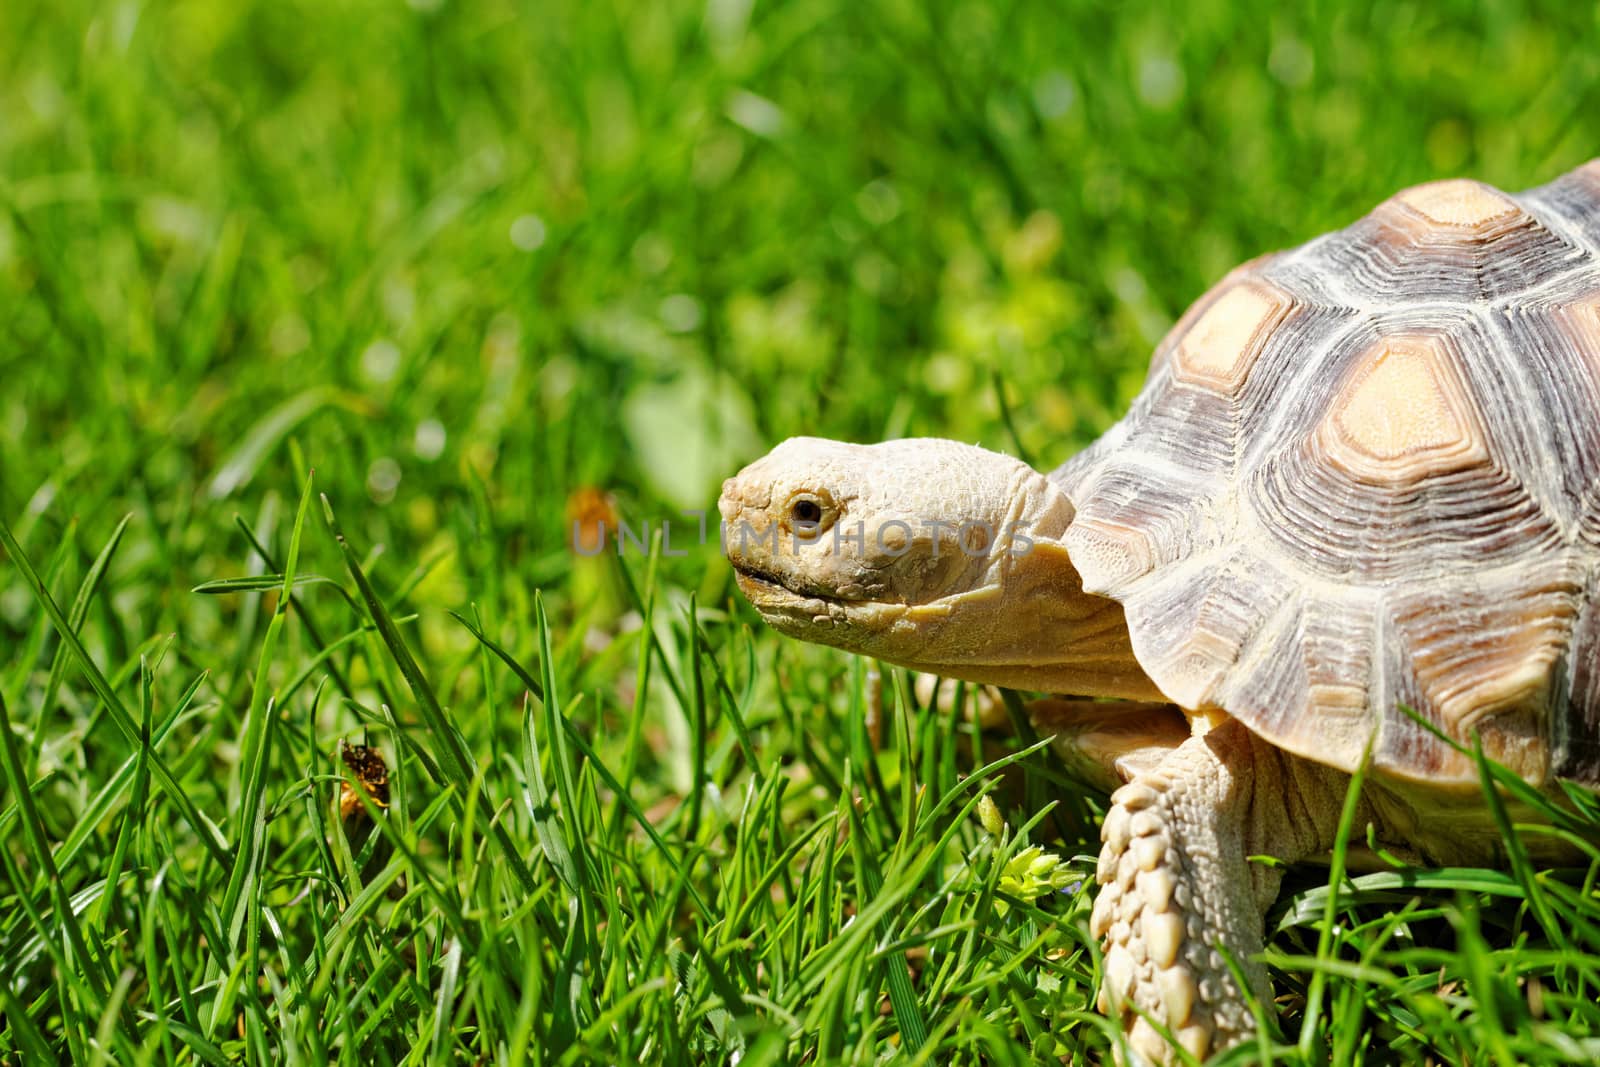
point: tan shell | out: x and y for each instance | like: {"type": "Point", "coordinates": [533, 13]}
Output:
{"type": "Point", "coordinates": [1365, 473]}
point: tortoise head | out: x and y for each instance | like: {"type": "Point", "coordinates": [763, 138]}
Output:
{"type": "Point", "coordinates": [932, 554]}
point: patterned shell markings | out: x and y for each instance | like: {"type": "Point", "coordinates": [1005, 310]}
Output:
{"type": "Point", "coordinates": [1365, 473]}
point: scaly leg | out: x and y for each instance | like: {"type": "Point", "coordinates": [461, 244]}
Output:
{"type": "Point", "coordinates": [1176, 883]}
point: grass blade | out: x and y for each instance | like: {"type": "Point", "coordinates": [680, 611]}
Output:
{"type": "Point", "coordinates": [1341, 844]}
{"type": "Point", "coordinates": [255, 583]}
{"type": "Point", "coordinates": [451, 751]}
{"type": "Point", "coordinates": [113, 704]}
{"type": "Point", "coordinates": [39, 845]}
{"type": "Point", "coordinates": [75, 616]}
{"type": "Point", "coordinates": [546, 824]}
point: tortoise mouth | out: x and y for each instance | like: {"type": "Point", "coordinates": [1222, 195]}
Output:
{"type": "Point", "coordinates": [767, 589]}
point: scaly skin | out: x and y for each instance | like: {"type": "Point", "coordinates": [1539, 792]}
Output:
{"type": "Point", "coordinates": [1176, 883]}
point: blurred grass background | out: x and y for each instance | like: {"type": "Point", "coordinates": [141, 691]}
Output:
{"type": "Point", "coordinates": [632, 245]}
{"type": "Point", "coordinates": [487, 266]}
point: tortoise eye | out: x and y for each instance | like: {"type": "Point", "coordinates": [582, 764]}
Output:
{"type": "Point", "coordinates": [806, 511]}
{"type": "Point", "coordinates": [808, 514]}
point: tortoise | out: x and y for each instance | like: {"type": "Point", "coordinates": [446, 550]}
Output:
{"type": "Point", "coordinates": [1351, 521]}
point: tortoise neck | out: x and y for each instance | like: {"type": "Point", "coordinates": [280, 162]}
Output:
{"type": "Point", "coordinates": [1033, 627]}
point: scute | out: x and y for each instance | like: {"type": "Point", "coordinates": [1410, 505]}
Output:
{"type": "Point", "coordinates": [1566, 197]}
{"type": "Point", "coordinates": [1550, 330]}
{"type": "Point", "coordinates": [1364, 477]}
{"type": "Point", "coordinates": [1458, 202]}
{"type": "Point", "coordinates": [1218, 351]}
{"type": "Point", "coordinates": [1482, 653]}
{"type": "Point", "coordinates": [1404, 414]}
{"type": "Point", "coordinates": [1455, 241]}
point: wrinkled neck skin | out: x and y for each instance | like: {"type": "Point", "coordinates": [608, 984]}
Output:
{"type": "Point", "coordinates": [930, 554]}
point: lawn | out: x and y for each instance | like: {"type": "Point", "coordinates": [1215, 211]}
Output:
{"type": "Point", "coordinates": [323, 324]}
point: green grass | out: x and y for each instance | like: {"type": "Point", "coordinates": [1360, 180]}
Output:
{"type": "Point", "coordinates": [466, 260]}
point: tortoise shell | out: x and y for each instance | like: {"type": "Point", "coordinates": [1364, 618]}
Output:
{"type": "Point", "coordinates": [1363, 476]}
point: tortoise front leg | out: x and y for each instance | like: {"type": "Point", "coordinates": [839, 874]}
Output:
{"type": "Point", "coordinates": [1176, 883]}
